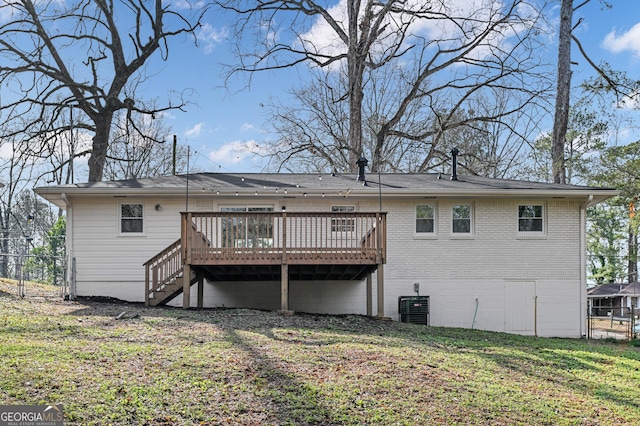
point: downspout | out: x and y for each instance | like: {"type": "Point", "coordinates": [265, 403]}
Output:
{"type": "Point", "coordinates": [583, 265]}
{"type": "Point", "coordinates": [71, 258]}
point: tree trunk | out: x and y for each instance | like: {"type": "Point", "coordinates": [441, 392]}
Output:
{"type": "Point", "coordinates": [633, 256]}
{"type": "Point", "coordinates": [561, 117]}
{"type": "Point", "coordinates": [100, 146]}
{"type": "Point", "coordinates": [355, 69]}
{"type": "Point", "coordinates": [4, 246]}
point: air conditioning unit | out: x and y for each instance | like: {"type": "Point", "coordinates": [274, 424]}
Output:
{"type": "Point", "coordinates": [414, 309]}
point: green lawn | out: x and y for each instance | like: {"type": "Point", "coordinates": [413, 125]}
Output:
{"type": "Point", "coordinates": [169, 366]}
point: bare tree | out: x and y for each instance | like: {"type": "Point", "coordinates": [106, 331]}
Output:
{"type": "Point", "coordinates": [447, 55]}
{"type": "Point", "coordinates": [15, 173]}
{"type": "Point", "coordinates": [491, 127]}
{"type": "Point", "coordinates": [86, 54]}
{"type": "Point", "coordinates": [142, 154]}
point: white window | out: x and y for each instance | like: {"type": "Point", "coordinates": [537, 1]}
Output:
{"type": "Point", "coordinates": [425, 219]}
{"type": "Point", "coordinates": [530, 218]}
{"type": "Point", "coordinates": [131, 218]}
{"type": "Point", "coordinates": [342, 224]}
{"type": "Point", "coordinates": [461, 215]}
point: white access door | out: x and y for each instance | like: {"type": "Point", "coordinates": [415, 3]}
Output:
{"type": "Point", "coordinates": [520, 306]}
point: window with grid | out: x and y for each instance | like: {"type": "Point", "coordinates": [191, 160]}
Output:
{"type": "Point", "coordinates": [425, 219]}
{"type": "Point", "coordinates": [131, 218]}
{"type": "Point", "coordinates": [530, 218]}
{"type": "Point", "coordinates": [342, 224]}
{"type": "Point", "coordinates": [461, 216]}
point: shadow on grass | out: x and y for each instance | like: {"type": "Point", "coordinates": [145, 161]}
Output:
{"type": "Point", "coordinates": [290, 400]}
{"type": "Point", "coordinates": [584, 366]}
{"type": "Point", "coordinates": [578, 366]}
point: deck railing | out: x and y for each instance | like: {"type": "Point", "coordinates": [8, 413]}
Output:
{"type": "Point", "coordinates": [267, 237]}
{"type": "Point", "coordinates": [163, 269]}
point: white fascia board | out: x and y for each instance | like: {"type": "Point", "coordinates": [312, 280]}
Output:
{"type": "Point", "coordinates": [591, 197]}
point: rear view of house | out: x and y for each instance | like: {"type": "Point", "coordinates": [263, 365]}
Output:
{"type": "Point", "coordinates": [482, 253]}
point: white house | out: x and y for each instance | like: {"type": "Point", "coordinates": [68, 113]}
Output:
{"type": "Point", "coordinates": [490, 254]}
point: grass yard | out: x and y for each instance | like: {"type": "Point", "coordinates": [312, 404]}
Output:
{"type": "Point", "coordinates": [165, 366]}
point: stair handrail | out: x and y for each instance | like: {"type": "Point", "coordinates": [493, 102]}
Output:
{"type": "Point", "coordinates": [163, 268]}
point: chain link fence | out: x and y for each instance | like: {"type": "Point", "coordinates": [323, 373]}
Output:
{"type": "Point", "coordinates": [35, 275]}
{"type": "Point", "coordinates": [620, 323]}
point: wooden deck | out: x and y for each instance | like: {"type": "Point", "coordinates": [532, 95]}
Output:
{"type": "Point", "coordinates": [258, 246]}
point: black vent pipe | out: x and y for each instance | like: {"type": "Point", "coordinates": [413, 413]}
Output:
{"type": "Point", "coordinates": [454, 163]}
{"type": "Point", "coordinates": [362, 163]}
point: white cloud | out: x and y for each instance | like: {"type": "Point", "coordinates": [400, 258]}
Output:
{"type": "Point", "coordinates": [631, 101]}
{"type": "Point", "coordinates": [235, 152]}
{"type": "Point", "coordinates": [194, 131]}
{"type": "Point", "coordinates": [627, 41]}
{"type": "Point", "coordinates": [247, 126]}
{"type": "Point", "coordinates": [209, 37]}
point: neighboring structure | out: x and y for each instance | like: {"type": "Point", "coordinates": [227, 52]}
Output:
{"type": "Point", "coordinates": [614, 299]}
{"type": "Point", "coordinates": [491, 254]}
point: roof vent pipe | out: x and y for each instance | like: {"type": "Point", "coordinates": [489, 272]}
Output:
{"type": "Point", "coordinates": [454, 163]}
{"type": "Point", "coordinates": [362, 163]}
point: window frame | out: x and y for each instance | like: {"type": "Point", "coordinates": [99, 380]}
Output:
{"type": "Point", "coordinates": [542, 219]}
{"type": "Point", "coordinates": [434, 216]}
{"type": "Point", "coordinates": [455, 233]}
{"type": "Point", "coordinates": [346, 225]}
{"type": "Point", "coordinates": [121, 218]}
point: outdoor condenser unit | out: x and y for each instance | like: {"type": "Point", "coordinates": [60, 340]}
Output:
{"type": "Point", "coordinates": [414, 309]}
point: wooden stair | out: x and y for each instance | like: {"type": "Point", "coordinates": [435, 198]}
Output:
{"type": "Point", "coordinates": [164, 275]}
{"type": "Point", "coordinates": [170, 290]}
{"type": "Point", "coordinates": [164, 272]}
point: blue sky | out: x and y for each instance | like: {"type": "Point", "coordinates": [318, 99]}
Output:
{"type": "Point", "coordinates": [224, 120]}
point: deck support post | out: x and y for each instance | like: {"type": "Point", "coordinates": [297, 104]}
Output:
{"type": "Point", "coordinates": [380, 279]}
{"type": "Point", "coordinates": [369, 295]}
{"type": "Point", "coordinates": [186, 286]}
{"type": "Point", "coordinates": [284, 287]}
{"type": "Point", "coordinates": [146, 285]}
{"type": "Point", "coordinates": [200, 290]}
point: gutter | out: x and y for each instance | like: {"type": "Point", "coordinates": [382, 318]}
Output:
{"type": "Point", "coordinates": [71, 258]}
{"type": "Point", "coordinates": [595, 195]}
{"type": "Point", "coordinates": [583, 262]}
